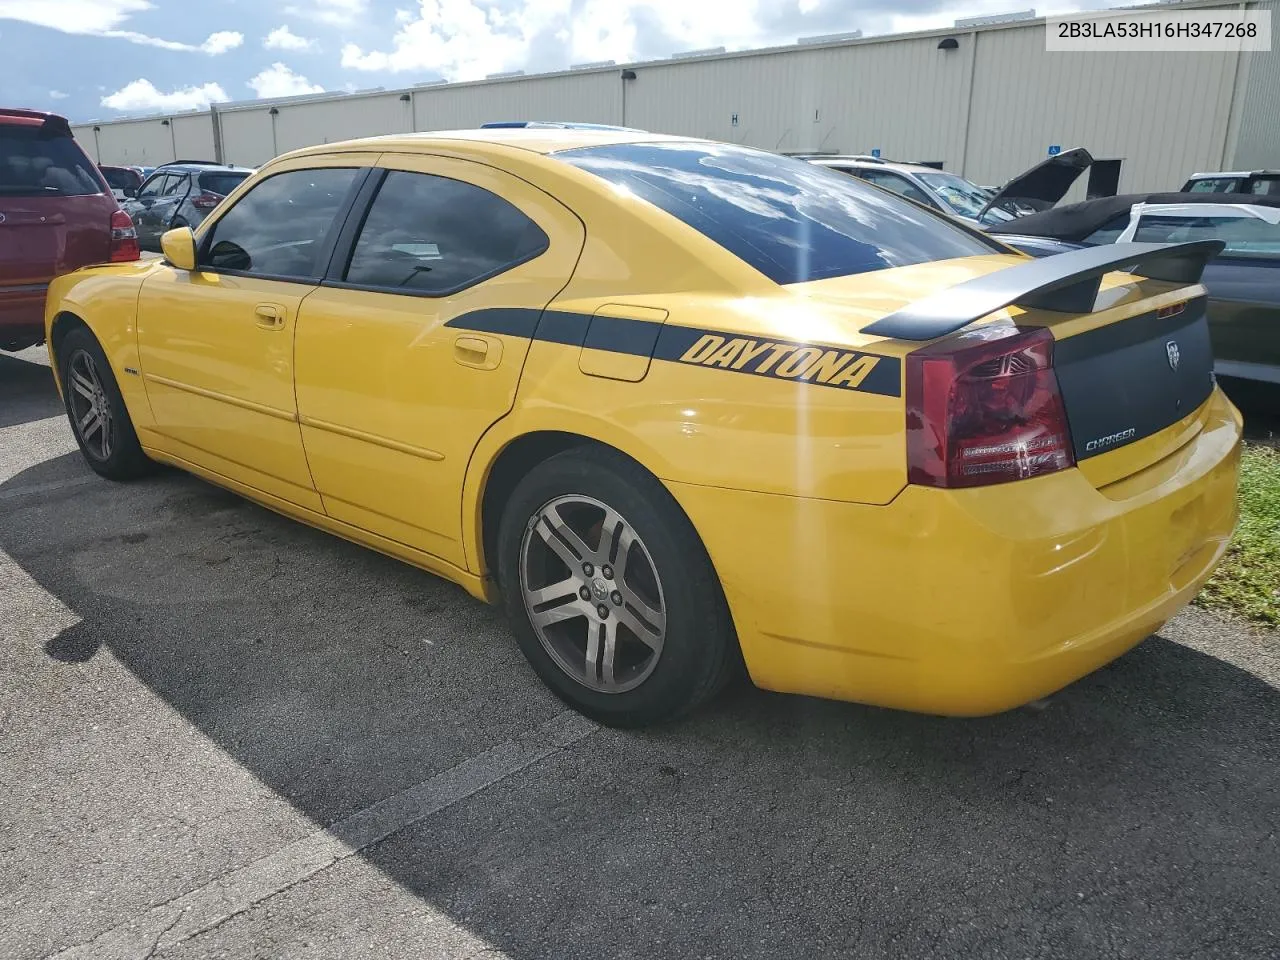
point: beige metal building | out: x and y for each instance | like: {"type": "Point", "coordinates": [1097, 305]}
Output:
{"type": "Point", "coordinates": [986, 105]}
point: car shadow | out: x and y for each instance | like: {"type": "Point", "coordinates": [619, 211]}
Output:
{"type": "Point", "coordinates": [1260, 404]}
{"type": "Point", "coordinates": [27, 391]}
{"type": "Point", "coordinates": [1134, 813]}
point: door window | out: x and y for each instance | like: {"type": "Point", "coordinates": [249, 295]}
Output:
{"type": "Point", "coordinates": [153, 187]}
{"type": "Point", "coordinates": [177, 185]}
{"type": "Point", "coordinates": [1109, 231]}
{"type": "Point", "coordinates": [1267, 186]}
{"type": "Point", "coordinates": [1215, 185]}
{"type": "Point", "coordinates": [432, 235]}
{"type": "Point", "coordinates": [277, 229]}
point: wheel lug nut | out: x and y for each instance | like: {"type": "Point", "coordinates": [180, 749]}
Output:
{"type": "Point", "coordinates": [588, 569]}
{"type": "Point", "coordinates": [584, 593]}
{"type": "Point", "coordinates": [616, 597]}
{"type": "Point", "coordinates": [607, 571]}
{"type": "Point", "coordinates": [603, 611]}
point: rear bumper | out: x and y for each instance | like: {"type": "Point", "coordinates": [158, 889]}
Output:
{"type": "Point", "coordinates": [975, 601]}
{"type": "Point", "coordinates": [22, 313]}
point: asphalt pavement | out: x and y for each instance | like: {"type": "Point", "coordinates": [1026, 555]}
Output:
{"type": "Point", "coordinates": [224, 734]}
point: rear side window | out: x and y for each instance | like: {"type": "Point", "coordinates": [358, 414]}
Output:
{"type": "Point", "coordinates": [1109, 231]}
{"type": "Point", "coordinates": [791, 220]}
{"type": "Point", "coordinates": [277, 228]}
{"type": "Point", "coordinates": [899, 185]}
{"type": "Point", "coordinates": [1266, 186]}
{"type": "Point", "coordinates": [1244, 236]}
{"type": "Point", "coordinates": [432, 235]}
{"type": "Point", "coordinates": [35, 164]}
{"type": "Point", "coordinates": [220, 183]}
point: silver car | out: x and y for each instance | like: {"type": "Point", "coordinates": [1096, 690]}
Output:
{"type": "Point", "coordinates": [179, 195]}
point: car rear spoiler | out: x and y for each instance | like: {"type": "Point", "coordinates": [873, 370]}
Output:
{"type": "Point", "coordinates": [1067, 283]}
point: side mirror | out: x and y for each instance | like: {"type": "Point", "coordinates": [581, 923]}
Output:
{"type": "Point", "coordinates": [179, 247]}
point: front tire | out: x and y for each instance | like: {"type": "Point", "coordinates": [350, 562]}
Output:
{"type": "Point", "coordinates": [610, 593]}
{"type": "Point", "coordinates": [96, 409]}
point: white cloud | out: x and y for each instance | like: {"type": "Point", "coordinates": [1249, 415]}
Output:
{"type": "Point", "coordinates": [104, 18]}
{"type": "Point", "coordinates": [58, 95]}
{"type": "Point", "coordinates": [338, 13]}
{"type": "Point", "coordinates": [279, 81]}
{"type": "Point", "coordinates": [282, 38]}
{"type": "Point", "coordinates": [143, 95]}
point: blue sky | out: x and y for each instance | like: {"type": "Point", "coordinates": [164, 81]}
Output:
{"type": "Point", "coordinates": [106, 58]}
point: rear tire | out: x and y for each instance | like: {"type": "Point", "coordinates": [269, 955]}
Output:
{"type": "Point", "coordinates": [99, 418]}
{"type": "Point", "coordinates": [609, 591]}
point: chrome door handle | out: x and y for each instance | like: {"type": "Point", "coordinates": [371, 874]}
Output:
{"type": "Point", "coordinates": [269, 316]}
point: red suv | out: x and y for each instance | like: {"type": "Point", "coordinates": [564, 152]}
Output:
{"type": "Point", "coordinates": [56, 214]}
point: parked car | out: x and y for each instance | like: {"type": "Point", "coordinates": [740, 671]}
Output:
{"type": "Point", "coordinates": [1243, 281]}
{"type": "Point", "coordinates": [56, 214]}
{"type": "Point", "coordinates": [180, 194]}
{"type": "Point", "coordinates": [1266, 182]}
{"type": "Point", "coordinates": [949, 193]}
{"type": "Point", "coordinates": [123, 181]}
{"type": "Point", "coordinates": [679, 403]}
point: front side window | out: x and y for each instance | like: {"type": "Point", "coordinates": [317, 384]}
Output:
{"type": "Point", "coordinates": [432, 235]}
{"type": "Point", "coordinates": [278, 227]}
{"type": "Point", "coordinates": [1244, 236]}
{"type": "Point", "coordinates": [177, 185]}
{"type": "Point", "coordinates": [790, 219]}
{"type": "Point", "coordinates": [153, 187]}
{"type": "Point", "coordinates": [34, 163]}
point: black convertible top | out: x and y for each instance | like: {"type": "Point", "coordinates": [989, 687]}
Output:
{"type": "Point", "coordinates": [1075, 221]}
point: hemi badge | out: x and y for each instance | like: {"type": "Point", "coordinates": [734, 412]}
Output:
{"type": "Point", "coordinates": [131, 370]}
{"type": "Point", "coordinates": [1171, 311]}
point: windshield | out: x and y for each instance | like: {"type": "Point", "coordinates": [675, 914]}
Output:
{"type": "Point", "coordinates": [965, 198]}
{"type": "Point", "coordinates": [791, 220]}
{"type": "Point", "coordinates": [33, 164]}
{"type": "Point", "coordinates": [1244, 236]}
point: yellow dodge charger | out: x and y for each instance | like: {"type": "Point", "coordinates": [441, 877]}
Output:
{"type": "Point", "coordinates": [680, 406]}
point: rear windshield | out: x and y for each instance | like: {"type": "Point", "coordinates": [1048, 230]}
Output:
{"type": "Point", "coordinates": [118, 178]}
{"type": "Point", "coordinates": [221, 183]}
{"type": "Point", "coordinates": [34, 164]}
{"type": "Point", "coordinates": [791, 220]}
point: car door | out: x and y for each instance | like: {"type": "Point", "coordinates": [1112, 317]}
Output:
{"type": "Point", "coordinates": [393, 399]}
{"type": "Point", "coordinates": [216, 343]}
{"type": "Point", "coordinates": [139, 208]}
{"type": "Point", "coordinates": [162, 210]}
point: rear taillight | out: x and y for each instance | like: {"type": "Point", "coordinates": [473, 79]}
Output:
{"type": "Point", "coordinates": [984, 407]}
{"type": "Point", "coordinates": [206, 200]}
{"type": "Point", "coordinates": [124, 239]}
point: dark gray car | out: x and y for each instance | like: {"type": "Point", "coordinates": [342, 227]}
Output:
{"type": "Point", "coordinates": [179, 195]}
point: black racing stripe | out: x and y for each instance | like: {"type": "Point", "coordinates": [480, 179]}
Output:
{"type": "Point", "coordinates": [885, 377]}
{"type": "Point", "coordinates": [623, 335]}
{"type": "Point", "coordinates": [513, 321]}
{"type": "Point", "coordinates": [563, 326]}
{"type": "Point", "coordinates": [645, 338]}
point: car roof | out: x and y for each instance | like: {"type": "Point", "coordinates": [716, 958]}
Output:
{"type": "Point", "coordinates": [533, 139]}
{"type": "Point", "coordinates": [829, 161]}
{"type": "Point", "coordinates": [1232, 173]}
{"type": "Point", "coordinates": [200, 168]}
{"type": "Point", "coordinates": [23, 117]}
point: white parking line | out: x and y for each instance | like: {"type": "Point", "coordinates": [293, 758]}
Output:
{"type": "Point", "coordinates": [236, 891]}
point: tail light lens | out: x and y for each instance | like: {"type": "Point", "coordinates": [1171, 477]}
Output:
{"type": "Point", "coordinates": [983, 408]}
{"type": "Point", "coordinates": [124, 238]}
{"type": "Point", "coordinates": [206, 200]}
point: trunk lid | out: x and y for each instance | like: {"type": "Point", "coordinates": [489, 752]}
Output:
{"type": "Point", "coordinates": [41, 237]}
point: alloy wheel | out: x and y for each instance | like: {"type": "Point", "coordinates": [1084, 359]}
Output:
{"type": "Point", "coordinates": [592, 593]}
{"type": "Point", "coordinates": [90, 408]}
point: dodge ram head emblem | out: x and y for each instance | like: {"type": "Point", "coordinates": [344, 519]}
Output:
{"type": "Point", "coordinates": [1171, 350]}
